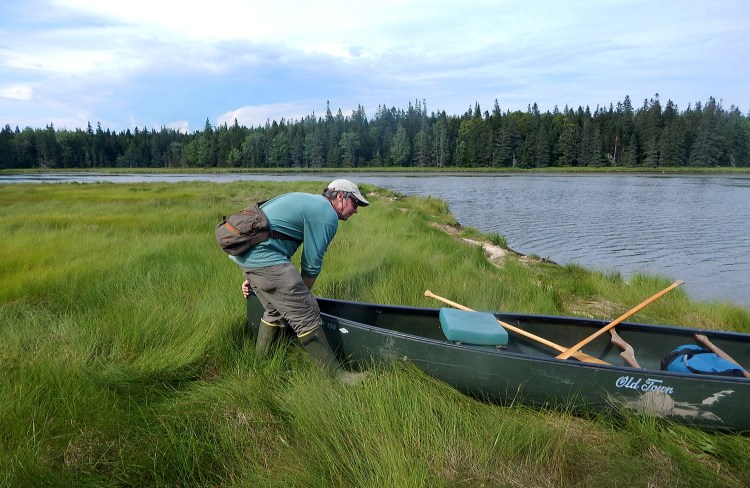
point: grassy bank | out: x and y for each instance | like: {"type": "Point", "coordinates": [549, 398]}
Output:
{"type": "Point", "coordinates": [126, 362]}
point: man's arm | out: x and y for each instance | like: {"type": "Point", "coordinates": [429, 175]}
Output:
{"type": "Point", "coordinates": [309, 282]}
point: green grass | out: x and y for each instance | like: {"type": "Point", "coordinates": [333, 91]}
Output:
{"type": "Point", "coordinates": [125, 358]}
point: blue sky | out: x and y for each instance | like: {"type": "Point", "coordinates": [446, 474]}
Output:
{"type": "Point", "coordinates": [176, 63]}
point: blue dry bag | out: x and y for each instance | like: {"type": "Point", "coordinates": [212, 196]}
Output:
{"type": "Point", "coordinates": [695, 359]}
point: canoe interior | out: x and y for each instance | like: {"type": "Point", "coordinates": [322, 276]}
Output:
{"type": "Point", "coordinates": [650, 342]}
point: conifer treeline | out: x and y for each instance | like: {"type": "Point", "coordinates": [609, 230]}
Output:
{"type": "Point", "coordinates": [650, 136]}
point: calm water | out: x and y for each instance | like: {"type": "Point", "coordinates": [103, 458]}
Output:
{"type": "Point", "coordinates": [693, 228]}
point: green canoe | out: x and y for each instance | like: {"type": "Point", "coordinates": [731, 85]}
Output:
{"type": "Point", "coordinates": [525, 370]}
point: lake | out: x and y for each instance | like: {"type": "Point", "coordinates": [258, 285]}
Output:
{"type": "Point", "coordinates": [689, 227]}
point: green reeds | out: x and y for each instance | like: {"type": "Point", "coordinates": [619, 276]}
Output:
{"type": "Point", "coordinates": [125, 359]}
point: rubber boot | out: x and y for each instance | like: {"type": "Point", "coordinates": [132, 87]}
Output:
{"type": "Point", "coordinates": [317, 347]}
{"type": "Point", "coordinates": [266, 334]}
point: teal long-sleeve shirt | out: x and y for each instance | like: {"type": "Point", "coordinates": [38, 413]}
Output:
{"type": "Point", "coordinates": [303, 216]}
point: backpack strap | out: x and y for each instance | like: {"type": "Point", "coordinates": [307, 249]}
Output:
{"type": "Point", "coordinates": [274, 234]}
{"type": "Point", "coordinates": [279, 235]}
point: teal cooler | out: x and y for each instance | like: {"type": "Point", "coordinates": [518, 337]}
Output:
{"type": "Point", "coordinates": [479, 328]}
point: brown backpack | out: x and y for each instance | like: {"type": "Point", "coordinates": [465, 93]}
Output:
{"type": "Point", "coordinates": [244, 229]}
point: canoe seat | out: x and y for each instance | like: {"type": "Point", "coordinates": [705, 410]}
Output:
{"type": "Point", "coordinates": [479, 328]}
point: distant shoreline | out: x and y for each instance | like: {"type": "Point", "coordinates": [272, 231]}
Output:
{"type": "Point", "coordinates": [391, 169]}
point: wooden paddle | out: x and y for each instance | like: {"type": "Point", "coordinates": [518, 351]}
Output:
{"type": "Point", "coordinates": [578, 355]}
{"type": "Point", "coordinates": [715, 349]}
{"type": "Point", "coordinates": [611, 325]}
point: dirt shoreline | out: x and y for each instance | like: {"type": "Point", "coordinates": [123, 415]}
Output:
{"type": "Point", "coordinates": [495, 254]}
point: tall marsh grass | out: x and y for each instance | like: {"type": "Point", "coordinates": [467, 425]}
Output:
{"type": "Point", "coordinates": [125, 359]}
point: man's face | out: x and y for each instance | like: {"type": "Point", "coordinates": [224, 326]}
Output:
{"type": "Point", "coordinates": [347, 206]}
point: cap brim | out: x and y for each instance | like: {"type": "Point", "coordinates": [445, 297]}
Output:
{"type": "Point", "coordinates": [360, 200]}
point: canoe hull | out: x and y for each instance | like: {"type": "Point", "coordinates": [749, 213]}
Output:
{"type": "Point", "coordinates": [528, 373]}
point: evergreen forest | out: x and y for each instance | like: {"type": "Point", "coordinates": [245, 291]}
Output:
{"type": "Point", "coordinates": [652, 135]}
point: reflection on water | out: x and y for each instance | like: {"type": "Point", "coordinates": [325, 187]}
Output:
{"type": "Point", "coordinates": [693, 228]}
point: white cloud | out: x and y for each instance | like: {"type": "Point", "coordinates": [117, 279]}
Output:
{"type": "Point", "coordinates": [344, 30]}
{"type": "Point", "coordinates": [17, 92]}
{"type": "Point", "coordinates": [258, 115]}
{"type": "Point", "coordinates": [179, 126]}
{"type": "Point", "coordinates": [63, 60]}
{"type": "Point", "coordinates": [186, 60]}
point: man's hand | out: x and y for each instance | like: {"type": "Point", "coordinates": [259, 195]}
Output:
{"type": "Point", "coordinates": [309, 282]}
{"type": "Point", "coordinates": [246, 288]}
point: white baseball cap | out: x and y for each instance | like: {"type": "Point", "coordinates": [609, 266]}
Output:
{"type": "Point", "coordinates": [349, 187]}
